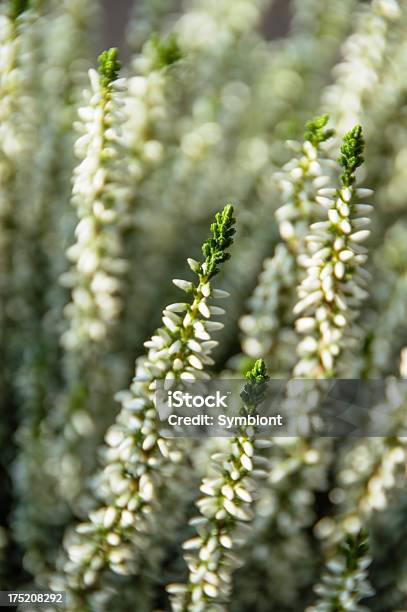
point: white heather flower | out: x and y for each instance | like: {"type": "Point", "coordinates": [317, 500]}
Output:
{"type": "Point", "coordinates": [376, 465]}
{"type": "Point", "coordinates": [267, 328]}
{"type": "Point", "coordinates": [345, 581]}
{"type": "Point", "coordinates": [14, 30]}
{"type": "Point", "coordinates": [335, 281]}
{"type": "Point", "coordinates": [261, 327]}
{"type": "Point", "coordinates": [389, 310]}
{"type": "Point", "coordinates": [224, 511]}
{"type": "Point", "coordinates": [217, 23]}
{"type": "Point", "coordinates": [53, 42]}
{"type": "Point", "coordinates": [100, 193]}
{"type": "Point", "coordinates": [146, 105]}
{"type": "Point", "coordinates": [370, 471]}
{"type": "Point", "coordinates": [277, 547]}
{"type": "Point", "coordinates": [16, 25]}
{"type": "Point", "coordinates": [137, 455]}
{"type": "Point", "coordinates": [364, 55]}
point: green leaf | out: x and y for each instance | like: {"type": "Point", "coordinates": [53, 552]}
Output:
{"type": "Point", "coordinates": [109, 67]}
{"type": "Point", "coordinates": [315, 132]}
{"type": "Point", "coordinates": [351, 156]}
{"type": "Point", "coordinates": [215, 248]}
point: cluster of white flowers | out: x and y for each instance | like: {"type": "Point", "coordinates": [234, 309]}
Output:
{"type": "Point", "coordinates": [385, 113]}
{"type": "Point", "coordinates": [225, 512]}
{"type": "Point", "coordinates": [331, 16]}
{"type": "Point", "coordinates": [381, 470]}
{"type": "Point", "coordinates": [345, 582]}
{"type": "Point", "coordinates": [204, 114]}
{"type": "Point", "coordinates": [13, 28]}
{"type": "Point", "coordinates": [208, 33]}
{"type": "Point", "coordinates": [100, 195]}
{"type": "Point", "coordinates": [271, 300]}
{"type": "Point", "coordinates": [282, 85]}
{"type": "Point", "coordinates": [304, 399]}
{"type": "Point", "coordinates": [147, 17]}
{"type": "Point", "coordinates": [228, 496]}
{"type": "Point", "coordinates": [297, 460]}
{"type": "Point", "coordinates": [55, 45]}
{"type": "Point", "coordinates": [14, 45]}
{"type": "Point", "coordinates": [335, 281]}
{"type": "Point", "coordinates": [76, 423]}
{"type": "Point", "coordinates": [375, 467]}
{"type": "Point", "coordinates": [267, 329]}
{"type": "Point", "coordinates": [299, 182]}
{"type": "Point", "coordinates": [146, 104]}
{"type": "Point", "coordinates": [275, 91]}
{"type": "Point", "coordinates": [274, 570]}
{"type": "Point", "coordinates": [387, 109]}
{"type": "Point", "coordinates": [134, 111]}
{"type": "Point", "coordinates": [204, 136]}
{"type": "Point", "coordinates": [136, 455]}
{"type": "Point", "coordinates": [389, 310]}
{"type": "Point", "coordinates": [364, 54]}
{"type": "Point", "coordinates": [217, 22]}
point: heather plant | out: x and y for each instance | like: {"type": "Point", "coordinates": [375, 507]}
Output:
{"type": "Point", "coordinates": [268, 329]}
{"type": "Point", "coordinates": [334, 275]}
{"type": "Point", "coordinates": [111, 170]}
{"type": "Point", "coordinates": [136, 457]}
{"type": "Point", "coordinates": [225, 507]}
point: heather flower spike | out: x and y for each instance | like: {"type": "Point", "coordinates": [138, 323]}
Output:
{"type": "Point", "coordinates": [134, 475]}
{"type": "Point", "coordinates": [18, 123]}
{"type": "Point", "coordinates": [364, 62]}
{"type": "Point", "coordinates": [335, 281]}
{"type": "Point", "coordinates": [225, 510]}
{"type": "Point", "coordinates": [268, 327]}
{"type": "Point", "coordinates": [101, 193]}
{"type": "Point", "coordinates": [345, 582]}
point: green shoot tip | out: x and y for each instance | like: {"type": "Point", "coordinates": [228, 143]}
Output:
{"type": "Point", "coordinates": [255, 389]}
{"type": "Point", "coordinates": [215, 247]}
{"type": "Point", "coordinates": [109, 66]}
{"type": "Point", "coordinates": [166, 51]}
{"type": "Point", "coordinates": [315, 132]}
{"type": "Point", "coordinates": [351, 156]}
